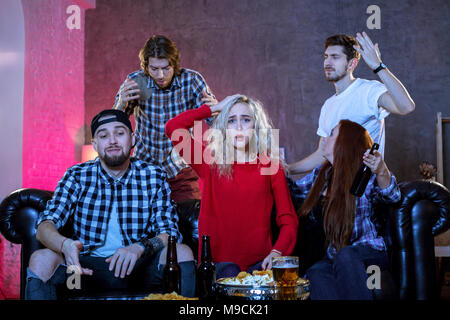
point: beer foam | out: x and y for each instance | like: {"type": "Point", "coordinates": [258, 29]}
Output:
{"type": "Point", "coordinates": [285, 266]}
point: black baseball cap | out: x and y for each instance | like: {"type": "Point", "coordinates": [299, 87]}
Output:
{"type": "Point", "coordinates": [113, 115]}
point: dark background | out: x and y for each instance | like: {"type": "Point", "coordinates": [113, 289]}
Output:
{"type": "Point", "coordinates": [273, 51]}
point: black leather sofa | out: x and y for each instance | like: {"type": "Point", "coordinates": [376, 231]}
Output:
{"type": "Point", "coordinates": [408, 228]}
{"type": "Point", "coordinates": [19, 212]}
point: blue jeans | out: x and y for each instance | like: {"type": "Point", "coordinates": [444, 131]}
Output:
{"type": "Point", "coordinates": [231, 269]}
{"type": "Point", "coordinates": [345, 277]}
{"type": "Point", "coordinates": [146, 276]}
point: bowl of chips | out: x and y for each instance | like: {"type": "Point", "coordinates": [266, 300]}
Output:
{"type": "Point", "coordinates": [256, 286]}
{"type": "Point", "coordinates": [167, 296]}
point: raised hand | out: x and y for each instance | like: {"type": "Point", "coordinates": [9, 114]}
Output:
{"type": "Point", "coordinates": [376, 163]}
{"type": "Point", "coordinates": [129, 91]}
{"type": "Point", "coordinates": [369, 51]}
{"type": "Point", "coordinates": [208, 99]}
{"type": "Point", "coordinates": [217, 108]}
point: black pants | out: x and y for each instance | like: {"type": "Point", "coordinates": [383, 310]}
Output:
{"type": "Point", "coordinates": [146, 275]}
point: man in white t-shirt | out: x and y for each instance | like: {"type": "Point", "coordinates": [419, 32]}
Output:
{"type": "Point", "coordinates": [366, 102]}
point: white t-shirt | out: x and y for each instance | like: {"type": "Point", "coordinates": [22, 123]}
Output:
{"type": "Point", "coordinates": [113, 239]}
{"type": "Point", "coordinates": [357, 103]}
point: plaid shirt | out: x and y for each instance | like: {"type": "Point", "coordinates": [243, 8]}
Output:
{"type": "Point", "coordinates": [183, 94]}
{"type": "Point", "coordinates": [364, 231]}
{"type": "Point", "coordinates": [86, 194]}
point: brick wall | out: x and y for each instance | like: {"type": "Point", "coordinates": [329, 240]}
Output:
{"type": "Point", "coordinates": [273, 51]}
{"type": "Point", "coordinates": [53, 93]}
{"type": "Point", "coordinates": [53, 108]}
{"type": "Point", "coordinates": [9, 269]}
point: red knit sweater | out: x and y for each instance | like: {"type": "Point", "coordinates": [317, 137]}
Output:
{"type": "Point", "coordinates": [235, 212]}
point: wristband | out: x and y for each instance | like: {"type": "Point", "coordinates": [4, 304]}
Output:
{"type": "Point", "coordinates": [276, 251]}
{"type": "Point", "coordinates": [62, 243]}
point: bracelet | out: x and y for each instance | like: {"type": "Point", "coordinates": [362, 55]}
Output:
{"type": "Point", "coordinates": [276, 251]}
{"type": "Point", "coordinates": [62, 243]}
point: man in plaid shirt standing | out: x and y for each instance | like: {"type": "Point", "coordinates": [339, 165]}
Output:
{"type": "Point", "coordinates": [157, 93]}
{"type": "Point", "coordinates": [121, 213]}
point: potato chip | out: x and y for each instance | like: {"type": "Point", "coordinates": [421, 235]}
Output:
{"type": "Point", "coordinates": [167, 296]}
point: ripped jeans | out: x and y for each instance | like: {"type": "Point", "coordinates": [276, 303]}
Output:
{"type": "Point", "coordinates": [146, 276]}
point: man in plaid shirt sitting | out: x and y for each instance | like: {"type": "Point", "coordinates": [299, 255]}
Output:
{"type": "Point", "coordinates": [122, 215]}
{"type": "Point", "coordinates": [158, 92]}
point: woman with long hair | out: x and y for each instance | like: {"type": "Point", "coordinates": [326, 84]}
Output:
{"type": "Point", "coordinates": [351, 237]}
{"type": "Point", "coordinates": [241, 179]}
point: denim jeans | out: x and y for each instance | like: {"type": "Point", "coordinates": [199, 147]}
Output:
{"type": "Point", "coordinates": [147, 275]}
{"type": "Point", "coordinates": [345, 277]}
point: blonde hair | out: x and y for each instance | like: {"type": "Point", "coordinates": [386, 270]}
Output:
{"type": "Point", "coordinates": [261, 142]}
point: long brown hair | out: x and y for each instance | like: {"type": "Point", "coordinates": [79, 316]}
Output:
{"type": "Point", "coordinates": [161, 47]}
{"type": "Point", "coordinates": [339, 205]}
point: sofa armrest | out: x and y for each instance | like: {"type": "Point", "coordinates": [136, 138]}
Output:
{"type": "Point", "coordinates": [422, 213]}
{"type": "Point", "coordinates": [437, 194]}
{"type": "Point", "coordinates": [19, 212]}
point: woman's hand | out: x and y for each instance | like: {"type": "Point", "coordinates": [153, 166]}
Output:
{"type": "Point", "coordinates": [208, 99]}
{"type": "Point", "coordinates": [217, 108]}
{"type": "Point", "coordinates": [267, 262]}
{"type": "Point", "coordinates": [376, 163]}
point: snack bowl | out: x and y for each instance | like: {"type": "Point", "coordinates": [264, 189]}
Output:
{"type": "Point", "coordinates": [258, 292]}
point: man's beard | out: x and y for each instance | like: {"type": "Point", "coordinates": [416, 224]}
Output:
{"type": "Point", "coordinates": [115, 161]}
{"type": "Point", "coordinates": [336, 77]}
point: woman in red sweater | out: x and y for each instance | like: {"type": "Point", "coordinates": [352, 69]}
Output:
{"type": "Point", "coordinates": [241, 179]}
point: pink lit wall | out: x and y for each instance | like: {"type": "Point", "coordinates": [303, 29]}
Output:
{"type": "Point", "coordinates": [53, 92]}
{"type": "Point", "coordinates": [12, 48]}
{"type": "Point", "coordinates": [42, 111]}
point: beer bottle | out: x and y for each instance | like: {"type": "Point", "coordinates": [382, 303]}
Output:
{"type": "Point", "coordinates": [362, 177]}
{"type": "Point", "coordinates": [206, 272]}
{"type": "Point", "coordinates": [172, 270]}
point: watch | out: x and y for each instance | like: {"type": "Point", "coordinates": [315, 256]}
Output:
{"type": "Point", "coordinates": [380, 67]}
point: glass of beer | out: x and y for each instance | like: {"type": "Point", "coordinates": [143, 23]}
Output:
{"type": "Point", "coordinates": [285, 275]}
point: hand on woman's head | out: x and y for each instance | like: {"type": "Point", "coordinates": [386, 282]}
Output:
{"type": "Point", "coordinates": [208, 99]}
{"type": "Point", "coordinates": [217, 108]}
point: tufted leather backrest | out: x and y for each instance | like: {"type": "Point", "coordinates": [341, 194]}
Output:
{"type": "Point", "coordinates": [188, 225]}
